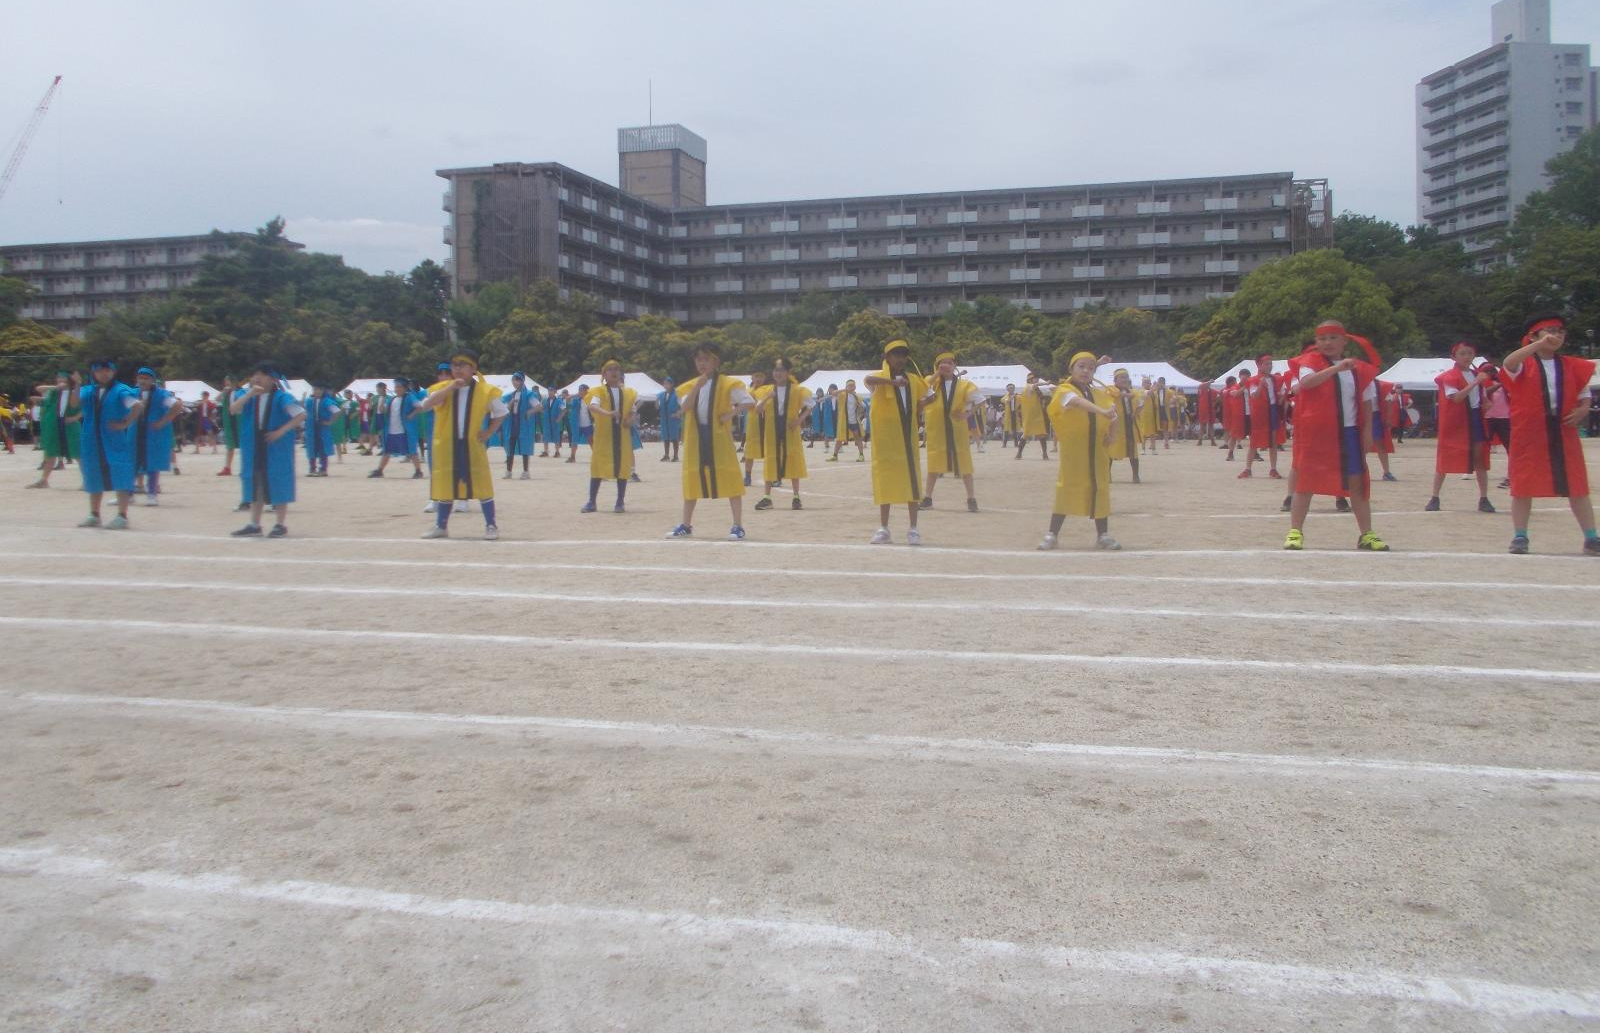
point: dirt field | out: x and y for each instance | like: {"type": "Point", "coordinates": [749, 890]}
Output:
{"type": "Point", "coordinates": [586, 779]}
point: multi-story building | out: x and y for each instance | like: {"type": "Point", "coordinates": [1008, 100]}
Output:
{"type": "Point", "coordinates": [1155, 244]}
{"type": "Point", "coordinates": [77, 283]}
{"type": "Point", "coordinates": [1487, 125]}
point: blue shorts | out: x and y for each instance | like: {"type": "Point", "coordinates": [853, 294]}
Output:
{"type": "Point", "coordinates": [396, 445]}
{"type": "Point", "coordinates": [1353, 462]}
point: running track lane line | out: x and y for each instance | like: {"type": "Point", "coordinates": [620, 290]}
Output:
{"type": "Point", "coordinates": [811, 650]}
{"type": "Point", "coordinates": [326, 562]}
{"type": "Point", "coordinates": [995, 749]}
{"type": "Point", "coordinates": [1052, 556]}
{"type": "Point", "coordinates": [1269, 980]}
{"type": "Point", "coordinates": [745, 602]}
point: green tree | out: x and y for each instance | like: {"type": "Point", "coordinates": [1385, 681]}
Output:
{"type": "Point", "coordinates": [30, 353]}
{"type": "Point", "coordinates": [1127, 335]}
{"type": "Point", "coordinates": [813, 315]}
{"type": "Point", "coordinates": [1278, 305]}
{"type": "Point", "coordinates": [861, 337]}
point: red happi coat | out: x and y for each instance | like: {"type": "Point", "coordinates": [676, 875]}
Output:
{"type": "Point", "coordinates": [1318, 430]}
{"type": "Point", "coordinates": [1233, 413]}
{"type": "Point", "coordinates": [1385, 417]}
{"type": "Point", "coordinates": [1462, 447]}
{"type": "Point", "coordinates": [1266, 421]}
{"type": "Point", "coordinates": [1546, 456]}
{"type": "Point", "coordinates": [1205, 408]}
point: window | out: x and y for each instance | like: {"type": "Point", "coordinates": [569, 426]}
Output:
{"type": "Point", "coordinates": [590, 236]}
{"type": "Point", "coordinates": [614, 212]}
{"type": "Point", "coordinates": [589, 204]}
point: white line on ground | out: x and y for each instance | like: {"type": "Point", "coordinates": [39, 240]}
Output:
{"type": "Point", "coordinates": [471, 540]}
{"type": "Point", "coordinates": [896, 745]}
{"type": "Point", "coordinates": [792, 572]}
{"type": "Point", "coordinates": [974, 607]}
{"type": "Point", "coordinates": [816, 649]}
{"type": "Point", "coordinates": [1250, 978]}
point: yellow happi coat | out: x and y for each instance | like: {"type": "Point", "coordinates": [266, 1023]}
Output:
{"type": "Point", "coordinates": [786, 458]}
{"type": "Point", "coordinates": [896, 460]}
{"type": "Point", "coordinates": [710, 464]}
{"type": "Point", "coordinates": [945, 419]}
{"type": "Point", "coordinates": [461, 462]}
{"type": "Point", "coordinates": [1083, 480]}
{"type": "Point", "coordinates": [1151, 411]}
{"type": "Point", "coordinates": [848, 403]}
{"type": "Point", "coordinates": [755, 425]}
{"type": "Point", "coordinates": [611, 448]}
{"type": "Point", "coordinates": [1011, 414]}
{"type": "Point", "coordinates": [1034, 404]}
{"type": "Point", "coordinates": [1127, 435]}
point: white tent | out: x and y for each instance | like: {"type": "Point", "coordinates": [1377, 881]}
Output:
{"type": "Point", "coordinates": [298, 388]}
{"type": "Point", "coordinates": [503, 381]}
{"type": "Point", "coordinates": [188, 391]}
{"type": "Point", "coordinates": [818, 382]}
{"type": "Point", "coordinates": [1416, 374]}
{"type": "Point", "coordinates": [992, 380]}
{"type": "Point", "coordinates": [1154, 370]}
{"type": "Point", "coordinates": [364, 386]}
{"type": "Point", "coordinates": [640, 382]}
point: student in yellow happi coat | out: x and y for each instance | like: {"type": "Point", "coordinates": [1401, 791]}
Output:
{"type": "Point", "coordinates": [1011, 418]}
{"type": "Point", "coordinates": [613, 408]}
{"type": "Point", "coordinates": [467, 412]}
{"type": "Point", "coordinates": [710, 460]}
{"type": "Point", "coordinates": [1035, 403]}
{"type": "Point", "coordinates": [1150, 414]}
{"type": "Point", "coordinates": [1127, 435]}
{"type": "Point", "coordinates": [945, 420]}
{"type": "Point", "coordinates": [1084, 418]}
{"type": "Point", "coordinates": [897, 394]}
{"type": "Point", "coordinates": [755, 425]}
{"type": "Point", "coordinates": [782, 407]}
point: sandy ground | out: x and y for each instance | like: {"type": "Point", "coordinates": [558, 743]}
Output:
{"type": "Point", "coordinates": [586, 779]}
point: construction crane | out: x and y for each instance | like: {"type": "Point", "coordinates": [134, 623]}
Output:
{"type": "Point", "coordinates": [27, 136]}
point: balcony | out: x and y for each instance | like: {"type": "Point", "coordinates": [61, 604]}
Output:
{"type": "Point", "coordinates": [846, 222]}
{"type": "Point", "coordinates": [1230, 265]}
{"type": "Point", "coordinates": [1155, 269]}
{"type": "Point", "coordinates": [1025, 243]}
{"type": "Point", "coordinates": [1155, 207]}
{"type": "Point", "coordinates": [902, 279]}
{"type": "Point", "coordinates": [785, 283]}
{"type": "Point", "coordinates": [784, 226]}
{"type": "Point", "coordinates": [962, 276]}
{"type": "Point", "coordinates": [1027, 273]}
{"type": "Point", "coordinates": [727, 315]}
{"type": "Point", "coordinates": [450, 200]}
{"type": "Point", "coordinates": [728, 229]}
{"type": "Point", "coordinates": [956, 218]}
{"type": "Point", "coordinates": [1019, 214]}
{"type": "Point", "coordinates": [1088, 272]}
{"type": "Point", "coordinates": [1221, 236]}
{"type": "Point", "coordinates": [728, 286]}
{"type": "Point", "coordinates": [958, 247]}
{"type": "Point", "coordinates": [1222, 204]}
{"type": "Point", "coordinates": [1155, 301]}
{"type": "Point", "coordinates": [845, 251]}
{"type": "Point", "coordinates": [902, 219]}
{"type": "Point", "coordinates": [1153, 239]}
{"type": "Point", "coordinates": [841, 281]}
{"type": "Point", "coordinates": [902, 308]}
{"type": "Point", "coordinates": [902, 250]}
{"type": "Point", "coordinates": [1033, 303]}
{"type": "Point", "coordinates": [727, 257]}
{"type": "Point", "coordinates": [1085, 300]}
{"type": "Point", "coordinates": [781, 254]}
{"type": "Point", "coordinates": [1090, 240]}
{"type": "Point", "coordinates": [1088, 211]}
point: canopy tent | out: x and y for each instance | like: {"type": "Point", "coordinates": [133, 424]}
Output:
{"type": "Point", "coordinates": [364, 386]}
{"type": "Point", "coordinates": [818, 382]}
{"type": "Point", "coordinates": [1154, 370]}
{"type": "Point", "coordinates": [1416, 374]}
{"type": "Point", "coordinates": [640, 382]}
{"type": "Point", "coordinates": [992, 380]}
{"type": "Point", "coordinates": [188, 391]}
{"type": "Point", "coordinates": [503, 381]}
{"type": "Point", "coordinates": [298, 388]}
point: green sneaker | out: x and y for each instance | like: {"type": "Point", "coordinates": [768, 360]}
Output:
{"type": "Point", "coordinates": [118, 523]}
{"type": "Point", "coordinates": [92, 520]}
{"type": "Point", "coordinates": [1372, 543]}
{"type": "Point", "coordinates": [1294, 541]}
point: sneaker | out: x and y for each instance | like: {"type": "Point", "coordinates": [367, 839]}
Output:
{"type": "Point", "coordinates": [1047, 543]}
{"type": "Point", "coordinates": [833, 459]}
{"type": "Point", "coordinates": [150, 500]}
{"type": "Point", "coordinates": [1485, 506]}
{"type": "Point", "coordinates": [462, 506]}
{"type": "Point", "coordinates": [1275, 475]}
{"type": "Point", "coordinates": [1519, 545]}
{"type": "Point", "coordinates": [491, 533]}
{"type": "Point", "coordinates": [1341, 504]}
{"type": "Point", "coordinates": [1370, 542]}
{"type": "Point", "coordinates": [417, 475]}
{"type": "Point", "coordinates": [1505, 483]}
{"type": "Point", "coordinates": [1243, 474]}
{"type": "Point", "coordinates": [1107, 543]}
{"type": "Point", "coordinates": [89, 521]}
{"type": "Point", "coordinates": [435, 532]}
{"type": "Point", "coordinates": [1591, 546]}
{"type": "Point", "coordinates": [927, 502]}
{"type": "Point", "coordinates": [1388, 476]}
{"type": "Point", "coordinates": [633, 478]}
{"type": "Point", "coordinates": [588, 507]}
{"type": "Point", "coordinates": [795, 504]}
{"type": "Point", "coordinates": [681, 531]}
{"type": "Point", "coordinates": [972, 505]}
{"type": "Point", "coordinates": [509, 475]}
{"type": "Point", "coordinates": [375, 473]}
{"type": "Point", "coordinates": [913, 536]}
{"type": "Point", "coordinates": [432, 507]}
{"type": "Point", "coordinates": [1432, 506]}
{"type": "Point", "coordinates": [248, 531]}
{"type": "Point", "coordinates": [243, 507]}
{"type": "Point", "coordinates": [880, 537]}
{"type": "Point", "coordinates": [747, 480]}
{"type": "Point", "coordinates": [860, 458]}
{"type": "Point", "coordinates": [735, 533]}
{"type": "Point", "coordinates": [278, 531]}
{"type": "Point", "coordinates": [619, 508]}
{"type": "Point", "coordinates": [1288, 502]}
{"type": "Point", "coordinates": [1294, 541]}
{"type": "Point", "coordinates": [765, 503]}
{"type": "Point", "coordinates": [525, 476]}
{"type": "Point", "coordinates": [117, 523]}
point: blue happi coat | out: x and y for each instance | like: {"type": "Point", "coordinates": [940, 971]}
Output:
{"type": "Point", "coordinates": [152, 445]}
{"type": "Point", "coordinates": [267, 468]}
{"type": "Point", "coordinates": [107, 462]}
{"type": "Point", "coordinates": [320, 413]}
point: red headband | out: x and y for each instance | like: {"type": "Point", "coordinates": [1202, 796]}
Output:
{"type": "Point", "coordinates": [1546, 324]}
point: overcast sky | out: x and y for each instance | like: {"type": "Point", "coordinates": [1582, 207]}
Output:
{"type": "Point", "coordinates": [179, 117]}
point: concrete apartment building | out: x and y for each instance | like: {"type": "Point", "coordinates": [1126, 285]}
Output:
{"type": "Point", "coordinates": [1487, 125]}
{"type": "Point", "coordinates": [657, 247]}
{"type": "Point", "coordinates": [76, 283]}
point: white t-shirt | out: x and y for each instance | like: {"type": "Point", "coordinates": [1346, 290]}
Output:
{"type": "Point", "coordinates": [263, 410]}
{"type": "Point", "coordinates": [497, 408]}
{"type": "Point", "coordinates": [1549, 381]}
{"type": "Point", "coordinates": [741, 396]}
{"type": "Point", "coordinates": [1347, 394]}
{"type": "Point", "coordinates": [397, 422]}
{"type": "Point", "coordinates": [61, 403]}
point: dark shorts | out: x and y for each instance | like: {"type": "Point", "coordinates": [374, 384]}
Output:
{"type": "Point", "coordinates": [395, 445]}
{"type": "Point", "coordinates": [1351, 459]}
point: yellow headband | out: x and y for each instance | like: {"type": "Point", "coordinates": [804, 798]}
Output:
{"type": "Point", "coordinates": [609, 364]}
{"type": "Point", "coordinates": [1080, 356]}
{"type": "Point", "coordinates": [942, 356]}
{"type": "Point", "coordinates": [894, 346]}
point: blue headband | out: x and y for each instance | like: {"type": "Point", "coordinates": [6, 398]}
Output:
{"type": "Point", "coordinates": [146, 371]}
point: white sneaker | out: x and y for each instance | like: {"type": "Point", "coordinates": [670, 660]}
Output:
{"type": "Point", "coordinates": [463, 506]}
{"type": "Point", "coordinates": [432, 507]}
{"type": "Point", "coordinates": [150, 500]}
{"type": "Point", "coordinates": [524, 475]}
{"type": "Point", "coordinates": [880, 537]}
{"type": "Point", "coordinates": [913, 536]}
{"type": "Point", "coordinates": [435, 532]}
{"type": "Point", "coordinates": [1047, 543]}
{"type": "Point", "coordinates": [1107, 543]}
{"type": "Point", "coordinates": [491, 533]}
